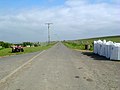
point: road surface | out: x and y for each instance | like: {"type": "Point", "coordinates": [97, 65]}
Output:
{"type": "Point", "coordinates": [60, 68]}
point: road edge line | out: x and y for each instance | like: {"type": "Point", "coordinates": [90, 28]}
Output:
{"type": "Point", "coordinates": [20, 67]}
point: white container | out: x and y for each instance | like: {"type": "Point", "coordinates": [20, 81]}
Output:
{"type": "Point", "coordinates": [115, 53]}
{"type": "Point", "coordinates": [107, 49]}
{"type": "Point", "coordinates": [99, 46]}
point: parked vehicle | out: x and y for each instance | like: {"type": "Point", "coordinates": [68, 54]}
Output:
{"type": "Point", "coordinates": [17, 49]}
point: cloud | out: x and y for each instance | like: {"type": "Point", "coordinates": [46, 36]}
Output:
{"type": "Point", "coordinates": [75, 19]}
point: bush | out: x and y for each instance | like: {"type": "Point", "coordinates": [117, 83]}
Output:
{"type": "Point", "coordinates": [5, 45]}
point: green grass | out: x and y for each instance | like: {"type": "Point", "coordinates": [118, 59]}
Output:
{"type": "Point", "coordinates": [80, 44]}
{"type": "Point", "coordinates": [74, 45]}
{"type": "Point", "coordinates": [7, 51]}
{"type": "Point", "coordinates": [108, 38]}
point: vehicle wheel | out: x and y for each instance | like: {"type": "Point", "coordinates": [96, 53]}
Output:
{"type": "Point", "coordinates": [22, 50]}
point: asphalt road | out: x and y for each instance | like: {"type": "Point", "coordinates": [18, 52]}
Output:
{"type": "Point", "coordinates": [60, 68]}
{"type": "Point", "coordinates": [10, 63]}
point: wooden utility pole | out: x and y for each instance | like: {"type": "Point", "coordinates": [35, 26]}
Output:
{"type": "Point", "coordinates": [48, 24]}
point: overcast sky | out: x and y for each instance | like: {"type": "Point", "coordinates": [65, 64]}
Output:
{"type": "Point", "coordinates": [24, 20]}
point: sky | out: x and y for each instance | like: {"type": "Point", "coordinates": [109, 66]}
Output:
{"type": "Point", "coordinates": [24, 20]}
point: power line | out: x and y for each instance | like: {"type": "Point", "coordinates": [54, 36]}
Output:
{"type": "Point", "coordinates": [48, 24]}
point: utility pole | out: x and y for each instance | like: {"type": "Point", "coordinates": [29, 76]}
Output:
{"type": "Point", "coordinates": [48, 24]}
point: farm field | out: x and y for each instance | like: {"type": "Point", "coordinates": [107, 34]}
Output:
{"type": "Point", "coordinates": [80, 44]}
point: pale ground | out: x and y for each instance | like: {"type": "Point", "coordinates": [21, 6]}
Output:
{"type": "Point", "coordinates": [60, 68]}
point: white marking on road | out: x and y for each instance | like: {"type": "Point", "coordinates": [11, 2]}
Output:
{"type": "Point", "coordinates": [20, 67]}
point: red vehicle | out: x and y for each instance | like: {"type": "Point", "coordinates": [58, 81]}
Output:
{"type": "Point", "coordinates": [17, 49]}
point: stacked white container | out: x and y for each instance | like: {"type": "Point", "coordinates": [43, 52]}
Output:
{"type": "Point", "coordinates": [108, 49]}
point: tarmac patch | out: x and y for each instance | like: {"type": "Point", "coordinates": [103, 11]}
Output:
{"type": "Point", "coordinates": [77, 77]}
{"type": "Point", "coordinates": [80, 68]}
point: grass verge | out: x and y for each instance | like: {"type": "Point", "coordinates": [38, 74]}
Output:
{"type": "Point", "coordinates": [8, 51]}
{"type": "Point", "coordinates": [73, 45]}
{"type": "Point", "coordinates": [80, 44]}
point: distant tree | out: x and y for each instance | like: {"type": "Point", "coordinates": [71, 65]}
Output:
{"type": "Point", "coordinates": [27, 43]}
{"type": "Point", "coordinates": [5, 45]}
{"type": "Point", "coordinates": [1, 43]}
{"type": "Point", "coordinates": [36, 45]}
